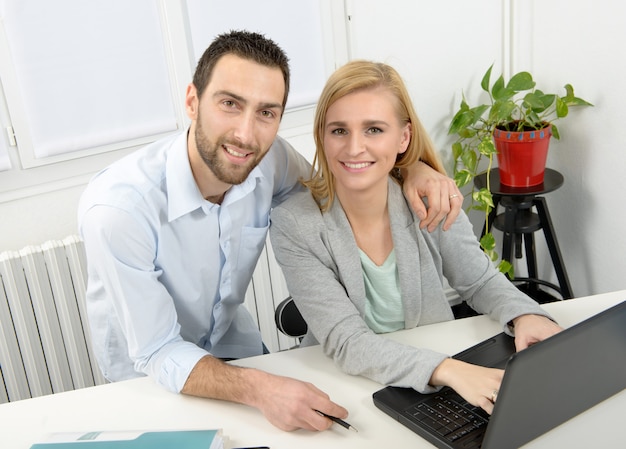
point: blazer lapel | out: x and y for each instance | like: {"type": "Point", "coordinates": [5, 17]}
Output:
{"type": "Point", "coordinates": [420, 283]}
{"type": "Point", "coordinates": [346, 254]}
{"type": "Point", "coordinates": [403, 232]}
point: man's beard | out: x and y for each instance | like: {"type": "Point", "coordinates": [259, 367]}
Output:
{"type": "Point", "coordinates": [224, 171]}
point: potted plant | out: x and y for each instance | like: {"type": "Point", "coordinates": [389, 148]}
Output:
{"type": "Point", "coordinates": [517, 114]}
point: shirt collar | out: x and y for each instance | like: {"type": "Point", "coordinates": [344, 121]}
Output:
{"type": "Point", "coordinates": [183, 195]}
{"type": "Point", "coordinates": [182, 191]}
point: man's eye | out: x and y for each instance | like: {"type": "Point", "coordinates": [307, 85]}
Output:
{"type": "Point", "coordinates": [228, 103]}
{"type": "Point", "coordinates": [268, 114]}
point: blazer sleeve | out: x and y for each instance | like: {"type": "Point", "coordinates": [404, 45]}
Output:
{"type": "Point", "coordinates": [299, 238]}
{"type": "Point", "coordinates": [472, 274]}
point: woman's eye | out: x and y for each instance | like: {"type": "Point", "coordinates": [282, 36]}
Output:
{"type": "Point", "coordinates": [339, 131]}
{"type": "Point", "coordinates": [374, 130]}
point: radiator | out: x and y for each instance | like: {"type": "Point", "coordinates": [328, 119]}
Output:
{"type": "Point", "coordinates": [266, 291]}
{"type": "Point", "coordinates": [44, 337]}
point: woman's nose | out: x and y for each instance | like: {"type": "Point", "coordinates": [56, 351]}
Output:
{"type": "Point", "coordinates": [356, 144]}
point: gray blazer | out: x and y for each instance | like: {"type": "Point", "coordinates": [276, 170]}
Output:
{"type": "Point", "coordinates": [320, 260]}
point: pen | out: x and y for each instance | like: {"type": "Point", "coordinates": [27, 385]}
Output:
{"type": "Point", "coordinates": [339, 421]}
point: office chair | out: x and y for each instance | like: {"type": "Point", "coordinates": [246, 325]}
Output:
{"type": "Point", "coordinates": [289, 320]}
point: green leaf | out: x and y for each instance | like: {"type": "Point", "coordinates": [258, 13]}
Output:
{"type": "Point", "coordinates": [483, 196]}
{"type": "Point", "coordinates": [532, 119]}
{"type": "Point", "coordinates": [521, 81]}
{"type": "Point", "coordinates": [457, 150]}
{"type": "Point", "coordinates": [492, 254]}
{"type": "Point", "coordinates": [501, 93]}
{"type": "Point", "coordinates": [572, 100]}
{"type": "Point", "coordinates": [506, 268]}
{"type": "Point", "coordinates": [478, 111]}
{"type": "Point", "coordinates": [488, 242]}
{"type": "Point", "coordinates": [497, 86]}
{"type": "Point", "coordinates": [547, 99]}
{"type": "Point", "coordinates": [502, 112]}
{"type": "Point", "coordinates": [461, 120]}
{"type": "Point", "coordinates": [561, 108]}
{"type": "Point", "coordinates": [578, 102]}
{"type": "Point", "coordinates": [470, 160]}
{"type": "Point", "coordinates": [538, 101]}
{"type": "Point", "coordinates": [533, 101]}
{"type": "Point", "coordinates": [484, 208]}
{"type": "Point", "coordinates": [486, 147]}
{"type": "Point", "coordinates": [485, 81]}
{"type": "Point", "coordinates": [555, 132]}
{"type": "Point", "coordinates": [467, 133]}
{"type": "Point", "coordinates": [462, 177]}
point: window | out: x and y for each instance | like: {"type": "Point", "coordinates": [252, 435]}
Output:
{"type": "Point", "coordinates": [87, 82]}
{"type": "Point", "coordinates": [90, 81]}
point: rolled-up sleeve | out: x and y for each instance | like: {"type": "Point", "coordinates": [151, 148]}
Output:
{"type": "Point", "coordinates": [126, 298]}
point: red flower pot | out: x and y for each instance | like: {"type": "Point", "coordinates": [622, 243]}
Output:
{"type": "Point", "coordinates": [522, 156]}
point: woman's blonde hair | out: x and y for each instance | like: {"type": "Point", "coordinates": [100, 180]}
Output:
{"type": "Point", "coordinates": [360, 75]}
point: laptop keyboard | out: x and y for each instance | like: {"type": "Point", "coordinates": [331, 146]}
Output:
{"type": "Point", "coordinates": [452, 417]}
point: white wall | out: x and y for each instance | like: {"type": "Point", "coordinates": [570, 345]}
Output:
{"type": "Point", "coordinates": [35, 219]}
{"type": "Point", "coordinates": [442, 48]}
{"type": "Point", "coordinates": [580, 43]}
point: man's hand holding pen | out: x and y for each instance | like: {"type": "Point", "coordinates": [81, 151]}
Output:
{"type": "Point", "coordinates": [339, 421]}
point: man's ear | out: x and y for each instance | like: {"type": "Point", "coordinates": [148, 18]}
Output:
{"type": "Point", "coordinates": [192, 102]}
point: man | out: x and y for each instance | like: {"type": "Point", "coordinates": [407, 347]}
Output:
{"type": "Point", "coordinates": [173, 233]}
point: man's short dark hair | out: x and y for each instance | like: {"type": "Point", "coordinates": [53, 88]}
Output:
{"type": "Point", "coordinates": [247, 45]}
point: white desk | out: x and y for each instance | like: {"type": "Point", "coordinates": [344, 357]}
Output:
{"type": "Point", "coordinates": [141, 404]}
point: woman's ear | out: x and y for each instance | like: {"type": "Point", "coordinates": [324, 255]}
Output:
{"type": "Point", "coordinates": [406, 138]}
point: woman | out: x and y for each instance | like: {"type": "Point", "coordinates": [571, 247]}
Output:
{"type": "Point", "coordinates": [357, 263]}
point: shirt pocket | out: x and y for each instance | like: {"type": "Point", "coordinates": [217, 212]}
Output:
{"type": "Point", "coordinates": [251, 245]}
{"type": "Point", "coordinates": [252, 241]}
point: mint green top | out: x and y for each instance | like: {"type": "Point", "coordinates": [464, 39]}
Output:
{"type": "Point", "coordinates": [383, 309]}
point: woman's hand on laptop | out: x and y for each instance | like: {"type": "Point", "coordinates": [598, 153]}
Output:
{"type": "Point", "coordinates": [478, 385]}
{"type": "Point", "coordinates": [530, 329]}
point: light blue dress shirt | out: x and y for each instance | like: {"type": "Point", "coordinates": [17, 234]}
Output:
{"type": "Point", "coordinates": [168, 270]}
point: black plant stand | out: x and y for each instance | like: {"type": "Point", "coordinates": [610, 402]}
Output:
{"type": "Point", "coordinates": [518, 222]}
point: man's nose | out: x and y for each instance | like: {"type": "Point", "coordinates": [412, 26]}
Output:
{"type": "Point", "coordinates": [245, 128]}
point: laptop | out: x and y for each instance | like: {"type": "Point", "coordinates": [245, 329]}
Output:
{"type": "Point", "coordinates": [543, 386]}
